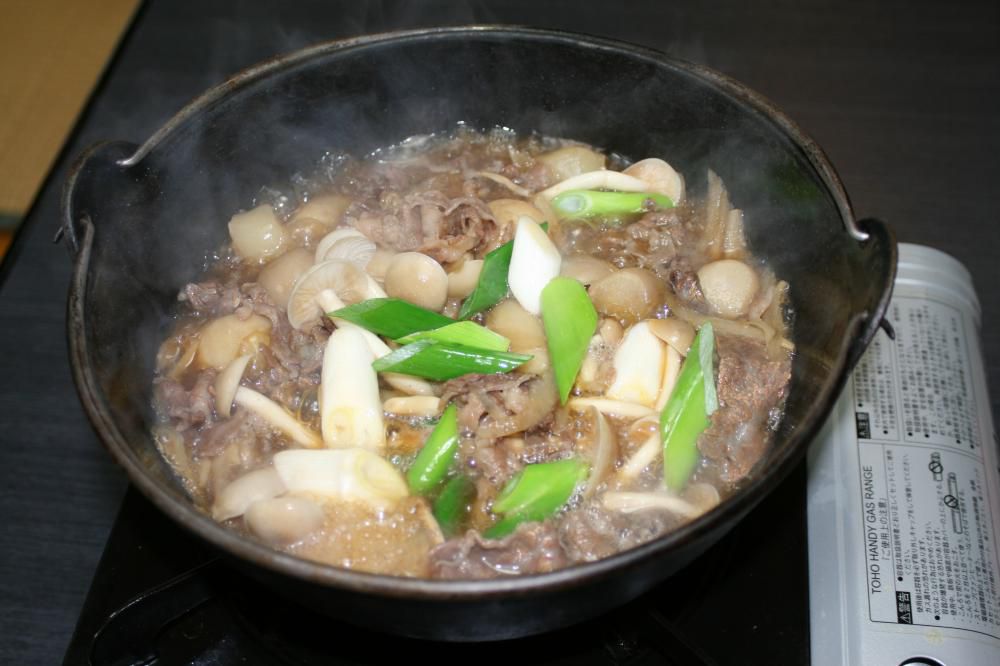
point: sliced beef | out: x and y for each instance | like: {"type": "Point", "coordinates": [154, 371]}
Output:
{"type": "Point", "coordinates": [430, 222]}
{"type": "Point", "coordinates": [495, 460]}
{"type": "Point", "coordinates": [492, 406]}
{"type": "Point", "coordinates": [683, 279]}
{"type": "Point", "coordinates": [188, 407]}
{"type": "Point", "coordinates": [591, 532]}
{"type": "Point", "coordinates": [210, 441]}
{"type": "Point", "coordinates": [211, 298]}
{"type": "Point", "coordinates": [750, 386]}
{"type": "Point", "coordinates": [533, 548]}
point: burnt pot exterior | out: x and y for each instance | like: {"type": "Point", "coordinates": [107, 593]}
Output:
{"type": "Point", "coordinates": [141, 220]}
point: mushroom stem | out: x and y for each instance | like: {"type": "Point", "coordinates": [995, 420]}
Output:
{"type": "Point", "coordinates": [628, 410]}
{"type": "Point", "coordinates": [602, 179]}
{"type": "Point", "coordinates": [226, 384]}
{"type": "Point", "coordinates": [276, 415]}
{"type": "Point", "coordinates": [627, 502]}
{"type": "Point", "coordinates": [643, 458]}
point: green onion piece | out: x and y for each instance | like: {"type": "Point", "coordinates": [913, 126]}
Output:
{"type": "Point", "coordinates": [452, 505]}
{"type": "Point", "coordinates": [391, 317]}
{"type": "Point", "coordinates": [431, 465]}
{"type": "Point", "coordinates": [570, 321]}
{"type": "Point", "coordinates": [440, 361]}
{"type": "Point", "coordinates": [467, 333]}
{"type": "Point", "coordinates": [492, 284]}
{"type": "Point", "coordinates": [593, 203]}
{"type": "Point", "coordinates": [536, 493]}
{"type": "Point", "coordinates": [685, 416]}
{"type": "Point", "coordinates": [491, 288]}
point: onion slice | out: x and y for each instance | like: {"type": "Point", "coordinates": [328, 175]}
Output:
{"type": "Point", "coordinates": [350, 407]}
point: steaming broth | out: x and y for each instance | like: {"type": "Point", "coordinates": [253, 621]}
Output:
{"type": "Point", "coordinates": [279, 425]}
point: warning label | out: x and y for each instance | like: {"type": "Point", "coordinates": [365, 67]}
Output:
{"type": "Point", "coordinates": [931, 555]}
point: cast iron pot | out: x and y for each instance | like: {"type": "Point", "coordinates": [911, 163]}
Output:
{"type": "Point", "coordinates": [141, 219]}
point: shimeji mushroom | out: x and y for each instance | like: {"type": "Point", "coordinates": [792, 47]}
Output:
{"type": "Point", "coordinates": [223, 339]}
{"type": "Point", "coordinates": [660, 178]}
{"type": "Point", "coordinates": [602, 179]}
{"type": "Point", "coordinates": [413, 405]}
{"type": "Point", "coordinates": [241, 493]}
{"type": "Point", "coordinates": [603, 453]}
{"type": "Point", "coordinates": [418, 279]}
{"type": "Point", "coordinates": [284, 520]}
{"type": "Point", "coordinates": [638, 364]}
{"type": "Point", "coordinates": [644, 456]}
{"type": "Point", "coordinates": [534, 261]}
{"type": "Point", "coordinates": [277, 416]}
{"type": "Point", "coordinates": [631, 294]}
{"type": "Point", "coordinates": [325, 208]}
{"type": "Point", "coordinates": [348, 244]}
{"type": "Point", "coordinates": [463, 280]}
{"type": "Point", "coordinates": [326, 287]}
{"type": "Point", "coordinates": [729, 286]}
{"type": "Point", "coordinates": [675, 332]}
{"type": "Point", "coordinates": [570, 161]}
{"type": "Point", "coordinates": [279, 276]}
{"type": "Point", "coordinates": [508, 211]}
{"type": "Point", "coordinates": [506, 182]}
{"type": "Point", "coordinates": [619, 408]}
{"type": "Point", "coordinates": [632, 502]}
{"type": "Point", "coordinates": [350, 405]}
{"type": "Point", "coordinates": [671, 368]}
{"type": "Point", "coordinates": [353, 474]}
{"type": "Point", "coordinates": [226, 383]}
{"type": "Point", "coordinates": [257, 234]}
{"type": "Point", "coordinates": [586, 269]}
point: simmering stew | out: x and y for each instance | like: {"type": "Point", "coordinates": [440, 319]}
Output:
{"type": "Point", "coordinates": [475, 355]}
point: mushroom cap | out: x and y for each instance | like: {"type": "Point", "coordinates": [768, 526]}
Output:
{"type": "Point", "coordinates": [417, 278]}
{"type": "Point", "coordinates": [346, 280]}
{"type": "Point", "coordinates": [350, 239]}
{"type": "Point", "coordinates": [660, 177]}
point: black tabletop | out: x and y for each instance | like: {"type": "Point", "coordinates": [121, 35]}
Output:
{"type": "Point", "coordinates": [904, 97]}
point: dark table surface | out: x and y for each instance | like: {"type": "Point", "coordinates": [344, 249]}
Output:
{"type": "Point", "coordinates": [904, 97]}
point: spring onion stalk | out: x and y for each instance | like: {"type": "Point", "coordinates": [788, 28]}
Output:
{"type": "Point", "coordinates": [536, 493]}
{"type": "Point", "coordinates": [595, 203]}
{"type": "Point", "coordinates": [491, 287]}
{"type": "Point", "coordinates": [440, 361]}
{"type": "Point", "coordinates": [685, 416]}
{"type": "Point", "coordinates": [391, 317]}
{"type": "Point", "coordinates": [570, 320]}
{"type": "Point", "coordinates": [452, 505]}
{"type": "Point", "coordinates": [431, 465]}
{"type": "Point", "coordinates": [467, 333]}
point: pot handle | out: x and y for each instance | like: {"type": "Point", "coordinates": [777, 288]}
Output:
{"type": "Point", "coordinates": [879, 259]}
{"type": "Point", "coordinates": [80, 201]}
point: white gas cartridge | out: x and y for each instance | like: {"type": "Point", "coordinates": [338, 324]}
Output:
{"type": "Point", "coordinates": [904, 489]}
